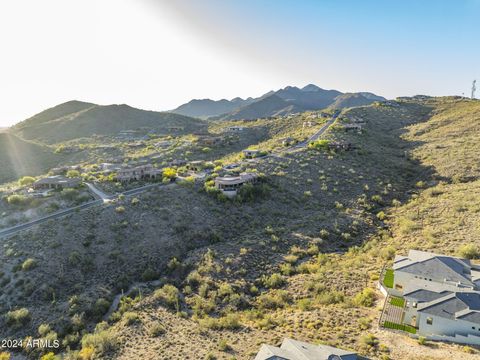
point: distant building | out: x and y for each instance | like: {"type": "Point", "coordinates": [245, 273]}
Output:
{"type": "Point", "coordinates": [177, 162]}
{"type": "Point", "coordinates": [298, 350]}
{"type": "Point", "coordinates": [236, 128]}
{"type": "Point", "coordinates": [437, 296]}
{"type": "Point", "coordinates": [340, 145]}
{"type": "Point", "coordinates": [197, 165]}
{"type": "Point", "coordinates": [142, 172]}
{"type": "Point", "coordinates": [357, 127]}
{"type": "Point", "coordinates": [250, 154]}
{"type": "Point", "coordinates": [210, 140]}
{"type": "Point", "coordinates": [56, 182]}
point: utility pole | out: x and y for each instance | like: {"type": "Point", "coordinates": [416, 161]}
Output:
{"type": "Point", "coordinates": [474, 88]}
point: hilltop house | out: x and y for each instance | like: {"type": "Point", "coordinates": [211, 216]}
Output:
{"type": "Point", "coordinates": [141, 172]}
{"type": "Point", "coordinates": [439, 297]}
{"type": "Point", "coordinates": [229, 185]}
{"type": "Point", "coordinates": [56, 182]}
{"type": "Point", "coordinates": [298, 350]}
{"type": "Point", "coordinates": [340, 145]}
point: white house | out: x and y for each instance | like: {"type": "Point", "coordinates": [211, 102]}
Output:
{"type": "Point", "coordinates": [438, 297]}
{"type": "Point", "coordinates": [299, 350]}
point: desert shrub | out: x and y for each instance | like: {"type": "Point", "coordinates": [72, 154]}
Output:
{"type": "Point", "coordinates": [130, 318]}
{"type": "Point", "coordinates": [330, 297]}
{"type": "Point", "coordinates": [368, 341]}
{"type": "Point", "coordinates": [169, 173]}
{"type": "Point", "coordinates": [120, 209]}
{"type": "Point", "coordinates": [4, 356]}
{"type": "Point", "coordinates": [69, 194]}
{"type": "Point", "coordinates": [365, 298]}
{"type": "Point", "coordinates": [102, 340]}
{"type": "Point", "coordinates": [319, 144]}
{"type": "Point", "coordinates": [149, 274]}
{"type": "Point", "coordinates": [50, 356]}
{"type": "Point", "coordinates": [422, 340]}
{"type": "Point", "coordinates": [156, 329]}
{"type": "Point", "coordinates": [18, 318]}
{"type": "Point", "coordinates": [273, 300]}
{"type": "Point", "coordinates": [223, 345]}
{"type": "Point", "coordinates": [19, 200]}
{"type": "Point", "coordinates": [169, 295]}
{"type": "Point", "coordinates": [87, 353]}
{"type": "Point", "coordinates": [228, 322]}
{"type": "Point", "coordinates": [100, 307]}
{"type": "Point", "coordinates": [469, 251]}
{"type": "Point", "coordinates": [29, 264]}
{"type": "Point", "coordinates": [273, 281]}
{"type": "Point", "coordinates": [73, 173]}
{"type": "Point", "coordinates": [250, 192]}
{"type": "Point", "coordinates": [26, 180]}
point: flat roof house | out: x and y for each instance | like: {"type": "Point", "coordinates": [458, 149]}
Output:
{"type": "Point", "coordinates": [435, 296]}
{"type": "Point", "coordinates": [299, 350]}
{"type": "Point", "coordinates": [229, 185]}
{"type": "Point", "coordinates": [56, 182]}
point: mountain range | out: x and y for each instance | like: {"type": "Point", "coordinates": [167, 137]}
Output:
{"type": "Point", "coordinates": [288, 100]}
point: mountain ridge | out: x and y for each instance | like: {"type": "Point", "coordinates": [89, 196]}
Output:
{"type": "Point", "coordinates": [309, 97]}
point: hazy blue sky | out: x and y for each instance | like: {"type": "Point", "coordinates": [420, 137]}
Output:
{"type": "Point", "coordinates": [157, 54]}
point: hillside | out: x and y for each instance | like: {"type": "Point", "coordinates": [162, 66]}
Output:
{"type": "Point", "coordinates": [75, 120]}
{"type": "Point", "coordinates": [299, 260]}
{"type": "Point", "coordinates": [206, 108]}
{"type": "Point", "coordinates": [310, 97]}
{"type": "Point", "coordinates": [20, 158]}
{"type": "Point", "coordinates": [351, 100]}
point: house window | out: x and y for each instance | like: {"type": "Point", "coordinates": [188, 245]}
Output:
{"type": "Point", "coordinates": [429, 321]}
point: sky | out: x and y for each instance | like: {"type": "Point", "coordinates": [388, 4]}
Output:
{"type": "Point", "coordinates": [158, 54]}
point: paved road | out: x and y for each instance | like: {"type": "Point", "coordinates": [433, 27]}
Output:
{"type": "Point", "coordinates": [14, 229]}
{"type": "Point", "coordinates": [98, 192]}
{"type": "Point", "coordinates": [319, 133]}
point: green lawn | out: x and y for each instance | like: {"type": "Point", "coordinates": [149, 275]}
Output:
{"type": "Point", "coordinates": [402, 327]}
{"type": "Point", "coordinates": [397, 301]}
{"type": "Point", "coordinates": [388, 278]}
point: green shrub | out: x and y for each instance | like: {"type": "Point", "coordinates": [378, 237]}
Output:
{"type": "Point", "coordinates": [18, 318]}
{"type": "Point", "coordinates": [273, 299]}
{"type": "Point", "coordinates": [469, 251]}
{"type": "Point", "coordinates": [273, 281]}
{"type": "Point", "coordinates": [29, 264]}
{"type": "Point", "coordinates": [130, 318]}
{"type": "Point", "coordinates": [169, 295]}
{"type": "Point", "coordinates": [365, 298]}
{"type": "Point", "coordinates": [102, 340]}
{"type": "Point", "coordinates": [26, 180]}
{"type": "Point", "coordinates": [156, 329]}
